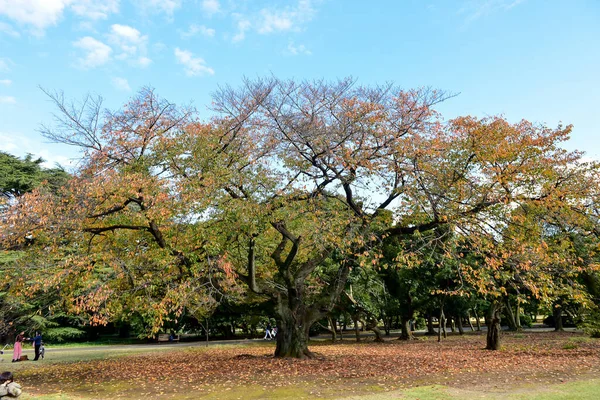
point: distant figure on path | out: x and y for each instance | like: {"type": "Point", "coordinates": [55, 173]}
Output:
{"type": "Point", "coordinates": [37, 342]}
{"type": "Point", "coordinates": [268, 335]}
{"type": "Point", "coordinates": [18, 350]}
{"type": "Point", "coordinates": [8, 387]}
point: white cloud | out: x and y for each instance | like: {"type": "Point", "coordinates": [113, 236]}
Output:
{"type": "Point", "coordinates": [8, 100]}
{"type": "Point", "coordinates": [211, 7]}
{"type": "Point", "coordinates": [40, 14]}
{"type": "Point", "coordinates": [194, 66]}
{"type": "Point", "coordinates": [121, 84]}
{"type": "Point", "coordinates": [277, 20]}
{"type": "Point", "coordinates": [273, 20]}
{"type": "Point", "coordinates": [243, 25]}
{"type": "Point", "coordinates": [144, 61]}
{"type": "Point", "coordinates": [295, 50]}
{"type": "Point", "coordinates": [94, 9]}
{"type": "Point", "coordinates": [194, 29]}
{"type": "Point", "coordinates": [5, 64]}
{"type": "Point", "coordinates": [8, 30]}
{"type": "Point", "coordinates": [96, 52]}
{"type": "Point", "coordinates": [159, 6]}
{"type": "Point", "coordinates": [132, 44]}
{"type": "Point", "coordinates": [5, 82]}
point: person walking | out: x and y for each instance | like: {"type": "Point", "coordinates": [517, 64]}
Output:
{"type": "Point", "coordinates": [37, 343]}
{"type": "Point", "coordinates": [18, 349]}
{"type": "Point", "coordinates": [268, 335]}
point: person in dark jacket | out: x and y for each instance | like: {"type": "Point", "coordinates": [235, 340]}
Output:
{"type": "Point", "coordinates": [37, 343]}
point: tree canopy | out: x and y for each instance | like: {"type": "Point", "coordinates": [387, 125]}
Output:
{"type": "Point", "coordinates": [286, 191]}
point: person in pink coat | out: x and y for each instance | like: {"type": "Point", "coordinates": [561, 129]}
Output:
{"type": "Point", "coordinates": [18, 351]}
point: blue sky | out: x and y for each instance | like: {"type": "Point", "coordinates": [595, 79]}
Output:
{"type": "Point", "coordinates": [532, 59]}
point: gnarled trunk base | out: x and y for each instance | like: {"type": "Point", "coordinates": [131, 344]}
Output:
{"type": "Point", "coordinates": [292, 341]}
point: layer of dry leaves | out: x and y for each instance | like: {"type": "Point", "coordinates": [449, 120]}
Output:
{"type": "Point", "coordinates": [343, 368]}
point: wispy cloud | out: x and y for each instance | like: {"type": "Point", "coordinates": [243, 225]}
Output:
{"type": "Point", "coordinates": [42, 14]}
{"type": "Point", "coordinates": [272, 20]}
{"type": "Point", "coordinates": [8, 100]}
{"type": "Point", "coordinates": [167, 7]}
{"type": "Point", "coordinates": [194, 66]}
{"type": "Point", "coordinates": [474, 9]}
{"type": "Point", "coordinates": [95, 53]}
{"type": "Point", "coordinates": [211, 7]}
{"type": "Point", "coordinates": [121, 84]}
{"type": "Point", "coordinates": [242, 26]}
{"type": "Point", "coordinates": [7, 29]}
{"type": "Point", "coordinates": [5, 64]}
{"type": "Point", "coordinates": [131, 43]}
{"type": "Point", "coordinates": [5, 82]}
{"type": "Point", "coordinates": [94, 9]}
{"type": "Point", "coordinates": [295, 50]}
{"type": "Point", "coordinates": [194, 30]}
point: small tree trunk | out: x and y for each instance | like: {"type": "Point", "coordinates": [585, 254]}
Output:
{"type": "Point", "coordinates": [557, 314]}
{"type": "Point", "coordinates": [493, 324]}
{"type": "Point", "coordinates": [510, 318]}
{"type": "Point", "coordinates": [356, 329]}
{"type": "Point", "coordinates": [442, 325]}
{"type": "Point", "coordinates": [459, 324]}
{"type": "Point", "coordinates": [406, 332]}
{"type": "Point", "coordinates": [430, 330]}
{"type": "Point", "coordinates": [372, 325]}
{"type": "Point", "coordinates": [477, 321]}
{"type": "Point", "coordinates": [387, 325]}
{"type": "Point", "coordinates": [518, 315]}
{"type": "Point", "coordinates": [469, 321]}
{"type": "Point", "coordinates": [332, 324]}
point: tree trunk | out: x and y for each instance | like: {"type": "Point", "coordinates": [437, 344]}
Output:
{"type": "Point", "coordinates": [469, 321]}
{"type": "Point", "coordinates": [518, 315]}
{"type": "Point", "coordinates": [371, 325]}
{"type": "Point", "coordinates": [477, 321]}
{"type": "Point", "coordinates": [557, 314]}
{"type": "Point", "coordinates": [406, 332]}
{"type": "Point", "coordinates": [356, 328]}
{"type": "Point", "coordinates": [442, 325]}
{"type": "Point", "coordinates": [493, 324]}
{"type": "Point", "coordinates": [292, 336]}
{"type": "Point", "coordinates": [510, 318]}
{"type": "Point", "coordinates": [387, 325]}
{"type": "Point", "coordinates": [459, 324]}
{"type": "Point", "coordinates": [430, 330]}
{"type": "Point", "coordinates": [332, 325]}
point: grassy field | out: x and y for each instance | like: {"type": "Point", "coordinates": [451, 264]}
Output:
{"type": "Point", "coordinates": [530, 366]}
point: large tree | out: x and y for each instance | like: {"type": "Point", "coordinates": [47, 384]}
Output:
{"type": "Point", "coordinates": [289, 187]}
{"type": "Point", "coordinates": [376, 149]}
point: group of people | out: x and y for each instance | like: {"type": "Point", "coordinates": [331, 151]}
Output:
{"type": "Point", "coordinates": [8, 387]}
{"type": "Point", "coordinates": [270, 332]}
{"type": "Point", "coordinates": [37, 344]}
